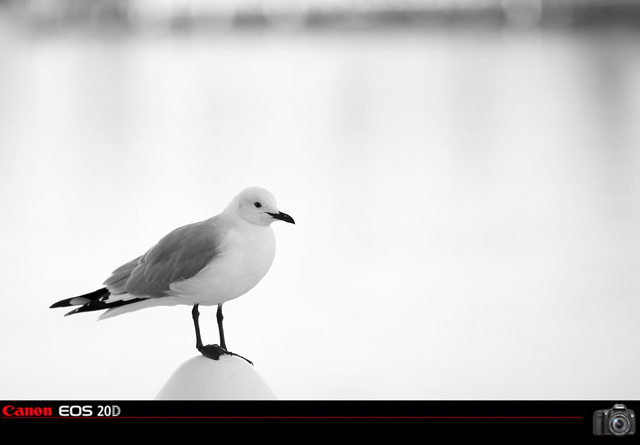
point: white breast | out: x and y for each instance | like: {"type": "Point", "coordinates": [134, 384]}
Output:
{"type": "Point", "coordinates": [245, 257]}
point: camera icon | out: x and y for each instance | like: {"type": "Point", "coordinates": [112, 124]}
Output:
{"type": "Point", "coordinates": [617, 421]}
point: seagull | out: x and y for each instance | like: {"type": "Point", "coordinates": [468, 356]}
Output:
{"type": "Point", "coordinates": [205, 263]}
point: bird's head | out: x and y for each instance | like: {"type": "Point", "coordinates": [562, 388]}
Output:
{"type": "Point", "coordinates": [258, 206]}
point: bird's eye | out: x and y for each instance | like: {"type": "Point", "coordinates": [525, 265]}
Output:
{"type": "Point", "coordinates": [257, 204]}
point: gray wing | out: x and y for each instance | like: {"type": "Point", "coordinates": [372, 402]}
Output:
{"type": "Point", "coordinates": [178, 256]}
{"type": "Point", "coordinates": [117, 282]}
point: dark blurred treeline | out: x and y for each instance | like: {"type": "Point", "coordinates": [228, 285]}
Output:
{"type": "Point", "coordinates": [354, 14]}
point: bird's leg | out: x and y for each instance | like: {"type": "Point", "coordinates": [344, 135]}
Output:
{"type": "Point", "coordinates": [195, 314]}
{"type": "Point", "coordinates": [212, 351]}
{"type": "Point", "coordinates": [220, 317]}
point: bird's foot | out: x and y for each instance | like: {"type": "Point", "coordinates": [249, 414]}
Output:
{"type": "Point", "coordinates": [215, 351]}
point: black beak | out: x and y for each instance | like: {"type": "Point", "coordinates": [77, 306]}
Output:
{"type": "Point", "coordinates": [282, 216]}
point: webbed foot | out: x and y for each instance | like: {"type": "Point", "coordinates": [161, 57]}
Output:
{"type": "Point", "coordinates": [215, 351]}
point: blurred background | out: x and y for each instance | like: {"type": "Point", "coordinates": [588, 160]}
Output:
{"type": "Point", "coordinates": [464, 176]}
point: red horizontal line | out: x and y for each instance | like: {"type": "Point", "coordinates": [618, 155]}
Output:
{"type": "Point", "coordinates": [308, 417]}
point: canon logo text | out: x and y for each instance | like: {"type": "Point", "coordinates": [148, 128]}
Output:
{"type": "Point", "coordinates": [26, 411]}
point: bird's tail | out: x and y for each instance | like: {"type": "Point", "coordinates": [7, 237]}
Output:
{"type": "Point", "coordinates": [94, 301]}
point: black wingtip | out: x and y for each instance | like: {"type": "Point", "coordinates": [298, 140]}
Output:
{"type": "Point", "coordinates": [75, 311]}
{"type": "Point", "coordinates": [61, 303]}
{"type": "Point", "coordinates": [93, 301]}
{"type": "Point", "coordinates": [81, 300]}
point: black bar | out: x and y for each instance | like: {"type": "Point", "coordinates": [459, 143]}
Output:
{"type": "Point", "coordinates": [570, 419]}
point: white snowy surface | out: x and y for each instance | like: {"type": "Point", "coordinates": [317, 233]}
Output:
{"type": "Point", "coordinates": [229, 378]}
